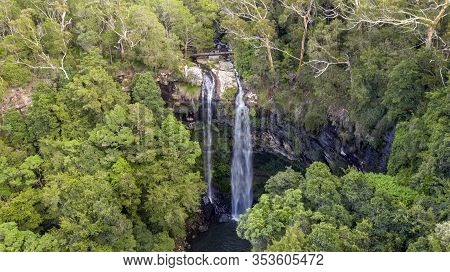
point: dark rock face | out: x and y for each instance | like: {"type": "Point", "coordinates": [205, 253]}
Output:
{"type": "Point", "coordinates": [185, 109]}
{"type": "Point", "coordinates": [272, 134]}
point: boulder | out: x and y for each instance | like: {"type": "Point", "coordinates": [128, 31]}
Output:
{"type": "Point", "coordinates": [193, 75]}
{"type": "Point", "coordinates": [224, 79]}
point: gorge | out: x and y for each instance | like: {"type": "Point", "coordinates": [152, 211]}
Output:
{"type": "Point", "coordinates": [228, 134]}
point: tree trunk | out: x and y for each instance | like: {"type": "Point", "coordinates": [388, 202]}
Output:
{"type": "Point", "coordinates": [302, 46]}
{"type": "Point", "coordinates": [122, 51]}
{"type": "Point", "coordinates": [269, 55]}
{"type": "Point", "coordinates": [305, 18]}
{"type": "Point", "coordinates": [434, 25]}
{"type": "Point", "coordinates": [429, 39]}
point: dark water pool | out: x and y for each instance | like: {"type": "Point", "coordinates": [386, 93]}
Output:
{"type": "Point", "coordinates": [220, 237]}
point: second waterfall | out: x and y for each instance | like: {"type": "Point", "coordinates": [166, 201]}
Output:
{"type": "Point", "coordinates": [241, 168]}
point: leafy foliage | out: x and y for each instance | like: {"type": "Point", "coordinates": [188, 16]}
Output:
{"type": "Point", "coordinates": [146, 91]}
{"type": "Point", "coordinates": [322, 212]}
{"type": "Point", "coordinates": [87, 167]}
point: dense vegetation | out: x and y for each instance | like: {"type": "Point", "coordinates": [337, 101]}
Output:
{"type": "Point", "coordinates": [97, 163]}
{"type": "Point", "coordinates": [355, 212]}
{"type": "Point", "coordinates": [90, 167]}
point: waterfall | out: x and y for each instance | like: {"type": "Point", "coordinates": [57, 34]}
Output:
{"type": "Point", "coordinates": [241, 168]}
{"type": "Point", "coordinates": [208, 87]}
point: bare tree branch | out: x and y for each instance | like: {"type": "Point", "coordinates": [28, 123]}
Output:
{"type": "Point", "coordinates": [410, 17]}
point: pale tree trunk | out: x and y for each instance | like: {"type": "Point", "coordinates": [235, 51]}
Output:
{"type": "Point", "coordinates": [432, 29]}
{"type": "Point", "coordinates": [186, 42]}
{"type": "Point", "coordinates": [305, 18]}
{"type": "Point", "coordinates": [429, 39]}
{"type": "Point", "coordinates": [121, 47]}
{"type": "Point", "coordinates": [302, 46]}
{"type": "Point", "coordinates": [269, 55]}
{"type": "Point", "coordinates": [122, 52]}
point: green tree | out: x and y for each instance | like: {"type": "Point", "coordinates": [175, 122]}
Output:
{"type": "Point", "coordinates": [38, 38]}
{"type": "Point", "coordinates": [85, 100]}
{"type": "Point", "coordinates": [305, 10]}
{"type": "Point", "coordinates": [268, 219]}
{"type": "Point", "coordinates": [404, 90]}
{"type": "Point", "coordinates": [282, 181]}
{"type": "Point", "coordinates": [361, 212]}
{"type": "Point", "coordinates": [90, 216]}
{"type": "Point", "coordinates": [14, 240]}
{"type": "Point", "coordinates": [420, 144]}
{"type": "Point", "coordinates": [136, 33]}
{"type": "Point", "coordinates": [293, 240]}
{"type": "Point", "coordinates": [3, 88]}
{"type": "Point", "coordinates": [22, 208]}
{"type": "Point", "coordinates": [321, 185]}
{"type": "Point", "coordinates": [41, 119]}
{"type": "Point", "coordinates": [438, 240]}
{"type": "Point", "coordinates": [173, 187]}
{"type": "Point", "coordinates": [205, 11]}
{"type": "Point", "coordinates": [423, 18]}
{"type": "Point", "coordinates": [15, 127]}
{"type": "Point", "coordinates": [356, 191]}
{"type": "Point", "coordinates": [183, 26]}
{"type": "Point", "coordinates": [251, 22]}
{"type": "Point", "coordinates": [145, 90]}
{"type": "Point", "coordinates": [20, 177]}
{"type": "Point", "coordinates": [124, 185]}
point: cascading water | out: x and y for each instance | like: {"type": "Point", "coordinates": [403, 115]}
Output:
{"type": "Point", "coordinates": [208, 87]}
{"type": "Point", "coordinates": [241, 168]}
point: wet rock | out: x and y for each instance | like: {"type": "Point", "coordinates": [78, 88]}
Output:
{"type": "Point", "coordinates": [225, 218]}
{"type": "Point", "coordinates": [164, 76]}
{"type": "Point", "coordinates": [203, 228]}
{"type": "Point", "coordinates": [226, 66]}
{"type": "Point", "coordinates": [208, 209]}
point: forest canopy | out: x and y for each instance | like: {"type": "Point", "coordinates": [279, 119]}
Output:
{"type": "Point", "coordinates": [93, 164]}
{"type": "Point", "coordinates": [97, 162]}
